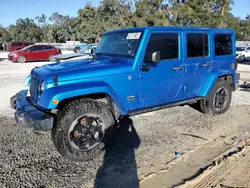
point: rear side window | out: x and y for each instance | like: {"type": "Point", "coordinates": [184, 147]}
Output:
{"type": "Point", "coordinates": [223, 44]}
{"type": "Point", "coordinates": [166, 43]}
{"type": "Point", "coordinates": [49, 47]}
{"type": "Point", "coordinates": [26, 44]}
{"type": "Point", "coordinates": [16, 44]}
{"type": "Point", "coordinates": [197, 45]}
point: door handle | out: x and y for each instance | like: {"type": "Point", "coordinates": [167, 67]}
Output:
{"type": "Point", "coordinates": [205, 64]}
{"type": "Point", "coordinates": [177, 68]}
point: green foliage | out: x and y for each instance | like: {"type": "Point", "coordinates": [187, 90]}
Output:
{"type": "Point", "coordinates": [92, 21]}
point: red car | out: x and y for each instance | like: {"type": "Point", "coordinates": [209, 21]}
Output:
{"type": "Point", "coordinates": [33, 53]}
{"type": "Point", "coordinates": [13, 46]}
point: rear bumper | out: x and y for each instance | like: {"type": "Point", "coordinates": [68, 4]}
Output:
{"type": "Point", "coordinates": [28, 116]}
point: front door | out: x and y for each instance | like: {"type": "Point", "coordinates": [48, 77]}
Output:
{"type": "Point", "coordinates": [162, 83]}
{"type": "Point", "coordinates": [197, 61]}
{"type": "Point", "coordinates": [32, 53]}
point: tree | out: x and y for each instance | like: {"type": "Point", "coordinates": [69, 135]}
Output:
{"type": "Point", "coordinates": [91, 22]}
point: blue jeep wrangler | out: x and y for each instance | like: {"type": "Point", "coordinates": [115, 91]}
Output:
{"type": "Point", "coordinates": [133, 71]}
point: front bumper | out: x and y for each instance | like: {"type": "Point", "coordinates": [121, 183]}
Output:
{"type": "Point", "coordinates": [12, 58]}
{"type": "Point", "coordinates": [28, 116]}
{"type": "Point", "coordinates": [236, 85]}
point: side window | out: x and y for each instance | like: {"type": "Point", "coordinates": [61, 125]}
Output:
{"type": "Point", "coordinates": [223, 44]}
{"type": "Point", "coordinates": [16, 44]}
{"type": "Point", "coordinates": [248, 49]}
{"type": "Point", "coordinates": [42, 47]}
{"type": "Point", "coordinates": [34, 48]}
{"type": "Point", "coordinates": [197, 45]}
{"type": "Point", "coordinates": [26, 44]}
{"type": "Point", "coordinates": [166, 43]}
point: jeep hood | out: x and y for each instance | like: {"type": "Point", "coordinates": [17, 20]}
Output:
{"type": "Point", "coordinates": [68, 56]}
{"type": "Point", "coordinates": [82, 69]}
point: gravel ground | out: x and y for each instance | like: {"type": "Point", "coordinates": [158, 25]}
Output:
{"type": "Point", "coordinates": [232, 173]}
{"type": "Point", "coordinates": [29, 159]}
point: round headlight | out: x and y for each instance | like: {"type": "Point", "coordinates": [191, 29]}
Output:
{"type": "Point", "coordinates": [42, 87]}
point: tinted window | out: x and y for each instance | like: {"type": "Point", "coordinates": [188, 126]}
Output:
{"type": "Point", "coordinates": [241, 49]}
{"type": "Point", "coordinates": [248, 48]}
{"type": "Point", "coordinates": [49, 47]}
{"type": "Point", "coordinates": [35, 48]}
{"type": "Point", "coordinates": [43, 48]}
{"type": "Point", "coordinates": [197, 45]}
{"type": "Point", "coordinates": [26, 44]}
{"type": "Point", "coordinates": [166, 43]}
{"type": "Point", "coordinates": [223, 44]}
{"type": "Point", "coordinates": [16, 44]}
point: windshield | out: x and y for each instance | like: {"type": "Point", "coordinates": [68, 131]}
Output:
{"type": "Point", "coordinates": [25, 48]}
{"type": "Point", "coordinates": [240, 49]}
{"type": "Point", "coordinates": [84, 49]}
{"type": "Point", "coordinates": [122, 44]}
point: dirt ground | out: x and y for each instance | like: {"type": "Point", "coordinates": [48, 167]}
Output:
{"type": "Point", "coordinates": [143, 156]}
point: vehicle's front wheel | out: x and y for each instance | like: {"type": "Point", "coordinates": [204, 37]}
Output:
{"type": "Point", "coordinates": [243, 58]}
{"type": "Point", "coordinates": [83, 129]}
{"type": "Point", "coordinates": [21, 59]}
{"type": "Point", "coordinates": [219, 99]}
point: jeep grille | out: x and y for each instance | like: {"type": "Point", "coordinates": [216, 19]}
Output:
{"type": "Point", "coordinates": [34, 86]}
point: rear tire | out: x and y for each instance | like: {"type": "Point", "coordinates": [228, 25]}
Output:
{"type": "Point", "coordinates": [21, 59]}
{"type": "Point", "coordinates": [83, 129]}
{"type": "Point", "coordinates": [51, 58]}
{"type": "Point", "coordinates": [219, 99]}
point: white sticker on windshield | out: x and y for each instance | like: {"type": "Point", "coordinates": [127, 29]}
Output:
{"type": "Point", "coordinates": [133, 36]}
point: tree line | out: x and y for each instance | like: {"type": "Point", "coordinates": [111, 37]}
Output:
{"type": "Point", "coordinates": [91, 21]}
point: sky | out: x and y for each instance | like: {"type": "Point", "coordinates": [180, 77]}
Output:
{"type": "Point", "coordinates": [11, 10]}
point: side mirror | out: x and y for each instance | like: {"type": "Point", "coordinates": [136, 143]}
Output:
{"type": "Point", "coordinates": [154, 57]}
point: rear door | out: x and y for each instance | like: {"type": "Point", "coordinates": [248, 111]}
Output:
{"type": "Point", "coordinates": [43, 52]}
{"type": "Point", "coordinates": [197, 62]}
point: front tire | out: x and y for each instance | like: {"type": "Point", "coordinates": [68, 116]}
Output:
{"type": "Point", "coordinates": [83, 129]}
{"type": "Point", "coordinates": [21, 59]}
{"type": "Point", "coordinates": [219, 99]}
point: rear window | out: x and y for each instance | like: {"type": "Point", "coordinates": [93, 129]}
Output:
{"type": "Point", "coordinates": [197, 45]}
{"type": "Point", "coordinates": [223, 44]}
{"type": "Point", "coordinates": [16, 44]}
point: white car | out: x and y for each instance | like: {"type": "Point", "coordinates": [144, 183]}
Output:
{"type": "Point", "coordinates": [243, 51]}
{"type": "Point", "coordinates": [83, 54]}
